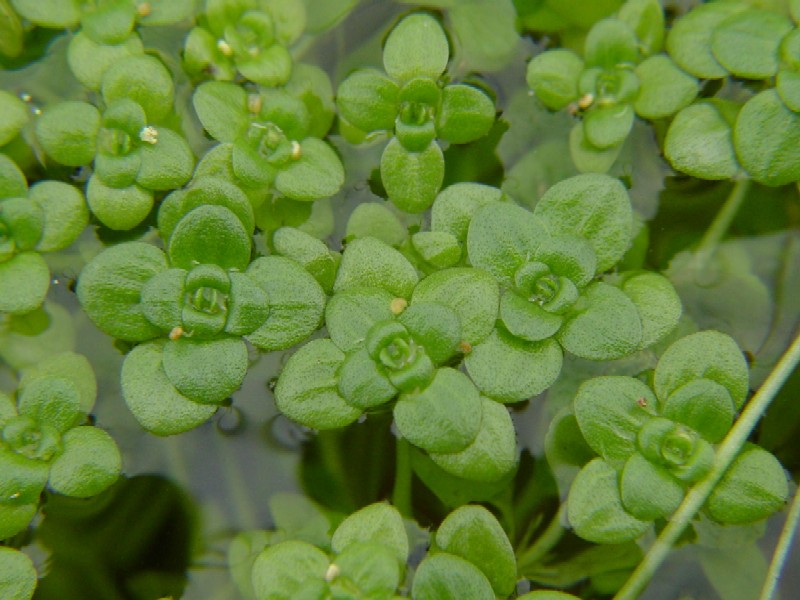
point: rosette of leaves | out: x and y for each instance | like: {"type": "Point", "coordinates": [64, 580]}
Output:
{"type": "Point", "coordinates": [245, 37]}
{"type": "Point", "coordinates": [655, 442]}
{"type": "Point", "coordinates": [131, 154]}
{"type": "Point", "coordinates": [193, 307]}
{"type": "Point", "coordinates": [547, 263]}
{"type": "Point", "coordinates": [45, 443]}
{"type": "Point", "coordinates": [621, 75]}
{"type": "Point", "coordinates": [383, 351]}
{"type": "Point", "coordinates": [411, 102]}
{"type": "Point", "coordinates": [106, 22]}
{"type": "Point", "coordinates": [270, 140]}
{"type": "Point", "coordinates": [718, 137]}
{"type": "Point", "coordinates": [47, 217]}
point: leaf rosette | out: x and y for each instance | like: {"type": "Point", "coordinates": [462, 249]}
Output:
{"type": "Point", "coordinates": [655, 443]}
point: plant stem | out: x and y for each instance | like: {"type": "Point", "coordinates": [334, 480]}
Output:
{"type": "Point", "coordinates": [246, 513]}
{"type": "Point", "coordinates": [782, 549]}
{"type": "Point", "coordinates": [727, 451]}
{"type": "Point", "coordinates": [544, 543]}
{"type": "Point", "coordinates": [720, 225]}
{"type": "Point", "coordinates": [401, 494]}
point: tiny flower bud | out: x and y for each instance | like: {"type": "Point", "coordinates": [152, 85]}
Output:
{"type": "Point", "coordinates": [176, 333]}
{"type": "Point", "coordinates": [224, 47]}
{"type": "Point", "coordinates": [332, 572]}
{"type": "Point", "coordinates": [398, 305]}
{"type": "Point", "coordinates": [254, 103]}
{"type": "Point", "coordinates": [586, 101]}
{"type": "Point", "coordinates": [144, 9]}
{"type": "Point", "coordinates": [149, 135]}
{"type": "Point", "coordinates": [465, 347]}
{"type": "Point", "coordinates": [296, 150]}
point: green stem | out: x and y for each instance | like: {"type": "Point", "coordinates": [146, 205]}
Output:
{"type": "Point", "coordinates": [246, 514]}
{"type": "Point", "coordinates": [401, 494]}
{"type": "Point", "coordinates": [720, 225]}
{"type": "Point", "coordinates": [544, 543]}
{"type": "Point", "coordinates": [697, 496]}
{"type": "Point", "coordinates": [782, 549]}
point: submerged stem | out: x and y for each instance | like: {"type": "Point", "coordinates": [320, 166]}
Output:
{"type": "Point", "coordinates": [720, 224]}
{"type": "Point", "coordinates": [697, 496]}
{"type": "Point", "coordinates": [782, 549]}
{"type": "Point", "coordinates": [401, 494]}
{"type": "Point", "coordinates": [544, 543]}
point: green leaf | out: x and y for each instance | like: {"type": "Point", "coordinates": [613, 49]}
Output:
{"type": "Point", "coordinates": [416, 47]}
{"type": "Point", "coordinates": [271, 67]}
{"type": "Point", "coordinates": [703, 405]}
{"type": "Point", "coordinates": [605, 327]}
{"type": "Point", "coordinates": [89, 464]}
{"type": "Point", "coordinates": [699, 142]}
{"type": "Point", "coordinates": [486, 31]}
{"type": "Point", "coordinates": [377, 220]}
{"type": "Point", "coordinates": [362, 383]}
{"type": "Point", "coordinates": [282, 569]}
{"type": "Point", "coordinates": [610, 411]}
{"type": "Point", "coordinates": [492, 455]}
{"type": "Point", "coordinates": [318, 173]}
{"type": "Point", "coordinates": [368, 100]}
{"type": "Point", "coordinates": [502, 237]}
{"type": "Point", "coordinates": [13, 116]}
{"type": "Point", "coordinates": [753, 488]}
{"type": "Point", "coordinates": [12, 181]}
{"type": "Point", "coordinates": [553, 76]}
{"type": "Point", "coordinates": [369, 566]}
{"type": "Point", "coordinates": [210, 235]}
{"type": "Point", "coordinates": [412, 179]}
{"type": "Point", "coordinates": [143, 79]}
{"type": "Point", "coordinates": [587, 157]}
{"type": "Point", "coordinates": [307, 388]}
{"type": "Point", "coordinates": [351, 313]}
{"type": "Point", "coordinates": [788, 86]}
{"type": "Point", "coordinates": [510, 370]}
{"type": "Point", "coordinates": [611, 42]}
{"type": "Point", "coordinates": [152, 398]}
{"type": "Point", "coordinates": [708, 354]}
{"type": "Point", "coordinates": [18, 580]}
{"type": "Point", "coordinates": [368, 262]}
{"type": "Point", "coordinates": [646, 19]}
{"type": "Point", "coordinates": [49, 13]}
{"type": "Point", "coordinates": [53, 401]}
{"type": "Point", "coordinates": [527, 320]}
{"type": "Point", "coordinates": [65, 214]}
{"type": "Point", "coordinates": [746, 43]}
{"type": "Point", "coordinates": [110, 22]}
{"type": "Point", "coordinates": [24, 280]}
{"type": "Point", "coordinates": [664, 88]}
{"type": "Point", "coordinates": [448, 577]}
{"type": "Point", "coordinates": [206, 371]}
{"type": "Point", "coordinates": [443, 417]}
{"type": "Point", "coordinates": [22, 484]}
{"type": "Point", "coordinates": [766, 137]}
{"type": "Point", "coordinates": [689, 40]}
{"type": "Point", "coordinates": [466, 114]}
{"type": "Point", "coordinates": [166, 164]}
{"type": "Point", "coordinates": [656, 301]}
{"type": "Point", "coordinates": [167, 12]}
{"type": "Point", "coordinates": [596, 207]}
{"type": "Point", "coordinates": [11, 32]}
{"type": "Point", "coordinates": [474, 534]}
{"type": "Point", "coordinates": [472, 294]}
{"type": "Point", "coordinates": [435, 327]}
{"type": "Point", "coordinates": [110, 286]}
{"type": "Point", "coordinates": [313, 87]}
{"type": "Point", "coordinates": [120, 209]}
{"type": "Point", "coordinates": [647, 490]}
{"type": "Point", "coordinates": [70, 366]}
{"type": "Point", "coordinates": [455, 206]}
{"type": "Point", "coordinates": [607, 126]}
{"type": "Point", "coordinates": [312, 254]}
{"type": "Point", "coordinates": [296, 303]}
{"type": "Point", "coordinates": [594, 507]}
{"type": "Point", "coordinates": [379, 522]}
{"type": "Point", "coordinates": [300, 518]}
{"type": "Point", "coordinates": [68, 131]}
{"type": "Point", "coordinates": [222, 109]}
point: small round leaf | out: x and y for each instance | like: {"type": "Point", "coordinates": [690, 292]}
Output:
{"type": "Point", "coordinates": [89, 464]}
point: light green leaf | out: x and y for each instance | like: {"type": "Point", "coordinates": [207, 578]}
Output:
{"type": "Point", "coordinates": [704, 405]}
{"type": "Point", "coordinates": [443, 417]}
{"type": "Point", "coordinates": [311, 253]}
{"type": "Point", "coordinates": [594, 507]}
{"type": "Point", "coordinates": [13, 116]}
{"type": "Point", "coordinates": [699, 142]}
{"type": "Point", "coordinates": [67, 365]}
{"type": "Point", "coordinates": [65, 214]}
{"type": "Point", "coordinates": [49, 13]}
{"type": "Point", "coordinates": [296, 303]}
{"type": "Point", "coordinates": [664, 88]}
{"type": "Point", "coordinates": [486, 32]}
{"type": "Point", "coordinates": [607, 126]}
{"type": "Point", "coordinates": [167, 12]}
{"type": "Point", "coordinates": [510, 370]}
{"type": "Point", "coordinates": [222, 109]}
{"type": "Point", "coordinates": [318, 173]}
{"type": "Point", "coordinates": [438, 249]}
{"type": "Point", "coordinates": [587, 157]}
{"type": "Point", "coordinates": [53, 401]}
{"type": "Point", "coordinates": [455, 206]}
{"type": "Point", "coordinates": [89, 60]}
{"type": "Point", "coordinates": [416, 47]}
{"type": "Point", "coordinates": [611, 42]}
{"type": "Point", "coordinates": [746, 43]}
{"type": "Point", "coordinates": [22, 484]}
{"type": "Point", "coordinates": [373, 219]}
{"type": "Point", "coordinates": [68, 132]}
{"type": "Point", "coordinates": [210, 235]}
{"type": "Point", "coordinates": [206, 371]}
{"type": "Point", "coordinates": [110, 286]}
{"type": "Point", "coordinates": [118, 208]}
{"type": "Point", "coordinates": [18, 579]}
{"type": "Point", "coordinates": [788, 86]}
{"type": "Point", "coordinates": [89, 464]}
{"type": "Point", "coordinates": [109, 22]}
{"type": "Point", "coordinates": [766, 138]}
{"type": "Point", "coordinates": [553, 76]}
{"type": "Point", "coordinates": [379, 522]}
{"type": "Point", "coordinates": [166, 164]}
{"type": "Point", "coordinates": [368, 262]}
{"type": "Point", "coordinates": [12, 181]}
{"type": "Point", "coordinates": [657, 302]}
{"type": "Point", "coordinates": [412, 179]}
{"type": "Point", "coordinates": [307, 388]}
{"type": "Point", "coordinates": [466, 114]}
{"type": "Point", "coordinates": [448, 577]}
{"type": "Point", "coordinates": [24, 280]}
{"type": "Point", "coordinates": [271, 67]}
{"type": "Point", "coordinates": [152, 399]}
{"type": "Point", "coordinates": [646, 19]}
{"type": "Point", "coordinates": [282, 569]}
{"type": "Point", "coordinates": [492, 455]}
{"type": "Point", "coordinates": [143, 79]}
{"type": "Point", "coordinates": [369, 566]}
{"type": "Point", "coordinates": [11, 31]}
{"type": "Point", "coordinates": [647, 490]}
{"type": "Point", "coordinates": [593, 206]}
{"type": "Point", "coordinates": [368, 100]}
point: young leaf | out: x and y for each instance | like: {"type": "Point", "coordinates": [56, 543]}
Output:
{"type": "Point", "coordinates": [13, 116]}
{"type": "Point", "coordinates": [379, 522]}
{"type": "Point", "coordinates": [369, 566]}
{"type": "Point", "coordinates": [368, 100]}
{"type": "Point", "coordinates": [416, 47]}
{"type": "Point", "coordinates": [610, 43]}
{"type": "Point", "coordinates": [371, 219]}
{"type": "Point", "coordinates": [608, 126]}
{"type": "Point", "coordinates": [665, 89]}
{"type": "Point", "coordinates": [746, 43]}
{"type": "Point", "coordinates": [206, 371]}
{"type": "Point", "coordinates": [646, 19]}
{"type": "Point", "coordinates": [412, 179]}
{"type": "Point", "coordinates": [587, 157]}
{"type": "Point", "coordinates": [68, 132]}
{"type": "Point", "coordinates": [143, 79]}
{"type": "Point", "coordinates": [656, 301]}
{"type": "Point", "coordinates": [369, 262]}
{"type": "Point", "coordinates": [24, 280]}
{"type": "Point", "coordinates": [465, 115]}
{"type": "Point", "coordinates": [455, 206]}
{"type": "Point", "coordinates": [210, 235]}
{"type": "Point", "coordinates": [647, 490]}
{"type": "Point", "coordinates": [167, 163]}
{"type": "Point", "coordinates": [699, 142]}
{"type": "Point", "coordinates": [350, 315]}
{"type": "Point", "coordinates": [448, 576]}
{"type": "Point", "coordinates": [318, 173]}
{"type": "Point", "coordinates": [282, 569]}
{"type": "Point", "coordinates": [118, 208]}
{"type": "Point", "coordinates": [222, 109]}
{"type": "Point", "coordinates": [89, 464]}
{"type": "Point", "coordinates": [553, 76]}
{"type": "Point", "coordinates": [67, 365]}
{"type": "Point", "coordinates": [65, 214]}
